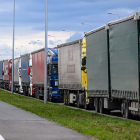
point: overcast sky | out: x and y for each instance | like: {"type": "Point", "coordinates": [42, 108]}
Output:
{"type": "Point", "coordinates": [62, 15]}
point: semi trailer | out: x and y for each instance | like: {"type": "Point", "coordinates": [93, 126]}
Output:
{"type": "Point", "coordinates": [17, 76]}
{"type": "Point", "coordinates": [113, 66]}
{"type": "Point", "coordinates": [25, 79]}
{"type": "Point", "coordinates": [38, 61]}
{"type": "Point", "coordinates": [73, 73]}
{"type": "Point", "coordinates": [1, 74]}
{"type": "Point", "coordinates": [7, 74]}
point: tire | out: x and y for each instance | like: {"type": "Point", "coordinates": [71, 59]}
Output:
{"type": "Point", "coordinates": [68, 97]}
{"type": "Point", "coordinates": [64, 97]}
{"type": "Point", "coordinates": [86, 106]}
{"type": "Point", "coordinates": [37, 93]}
{"type": "Point", "coordinates": [101, 108]}
{"type": "Point", "coordinates": [96, 105]}
{"type": "Point", "coordinates": [126, 113]}
{"type": "Point", "coordinates": [123, 109]}
{"type": "Point", "coordinates": [78, 105]}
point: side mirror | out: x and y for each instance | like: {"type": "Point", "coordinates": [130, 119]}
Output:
{"type": "Point", "coordinates": [2, 72]}
{"type": "Point", "coordinates": [83, 68]}
{"type": "Point", "coordinates": [84, 61]}
{"type": "Point", "coordinates": [28, 70]}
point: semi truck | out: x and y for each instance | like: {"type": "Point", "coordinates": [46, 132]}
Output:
{"type": "Point", "coordinates": [1, 74]}
{"type": "Point", "coordinates": [7, 74]}
{"type": "Point", "coordinates": [17, 76]}
{"type": "Point", "coordinates": [113, 66]}
{"type": "Point", "coordinates": [73, 73]}
{"type": "Point", "coordinates": [25, 79]}
{"type": "Point", "coordinates": [38, 60]}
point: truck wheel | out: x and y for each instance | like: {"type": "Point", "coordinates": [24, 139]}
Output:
{"type": "Point", "coordinates": [101, 108]}
{"type": "Point", "coordinates": [78, 104]}
{"type": "Point", "coordinates": [68, 97]}
{"type": "Point", "coordinates": [125, 109]}
{"type": "Point", "coordinates": [37, 93]}
{"type": "Point", "coordinates": [86, 106]}
{"type": "Point", "coordinates": [64, 97]}
{"type": "Point", "coordinates": [96, 101]}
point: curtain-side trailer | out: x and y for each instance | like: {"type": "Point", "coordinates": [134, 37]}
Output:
{"type": "Point", "coordinates": [1, 74]}
{"type": "Point", "coordinates": [113, 66]}
{"type": "Point", "coordinates": [72, 73]}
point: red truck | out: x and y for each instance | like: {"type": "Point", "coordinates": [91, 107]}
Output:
{"type": "Point", "coordinates": [7, 74]}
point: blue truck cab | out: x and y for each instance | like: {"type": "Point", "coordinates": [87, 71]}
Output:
{"type": "Point", "coordinates": [54, 93]}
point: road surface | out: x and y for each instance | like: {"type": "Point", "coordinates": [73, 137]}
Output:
{"type": "Point", "coordinates": [17, 124]}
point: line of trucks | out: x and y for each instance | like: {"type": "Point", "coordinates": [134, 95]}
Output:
{"type": "Point", "coordinates": [101, 71]}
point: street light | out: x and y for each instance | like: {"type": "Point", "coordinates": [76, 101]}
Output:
{"type": "Point", "coordinates": [24, 47]}
{"type": "Point", "coordinates": [13, 49]}
{"type": "Point", "coordinates": [54, 38]}
{"type": "Point", "coordinates": [34, 46]}
{"type": "Point", "coordinates": [69, 32]}
{"type": "Point", "coordinates": [87, 24]}
{"type": "Point", "coordinates": [46, 50]}
{"type": "Point", "coordinates": [8, 52]}
{"type": "Point", "coordinates": [114, 14]}
{"type": "Point", "coordinates": [19, 49]}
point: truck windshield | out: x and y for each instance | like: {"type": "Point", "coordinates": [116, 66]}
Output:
{"type": "Point", "coordinates": [55, 69]}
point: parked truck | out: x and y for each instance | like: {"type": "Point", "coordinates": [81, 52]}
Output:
{"type": "Point", "coordinates": [1, 74]}
{"type": "Point", "coordinates": [73, 73]}
{"type": "Point", "coordinates": [25, 79]}
{"type": "Point", "coordinates": [7, 74]}
{"type": "Point", "coordinates": [113, 73]}
{"type": "Point", "coordinates": [38, 59]}
{"type": "Point", "coordinates": [17, 76]}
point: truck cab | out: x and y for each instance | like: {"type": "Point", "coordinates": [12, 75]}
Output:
{"type": "Point", "coordinates": [52, 64]}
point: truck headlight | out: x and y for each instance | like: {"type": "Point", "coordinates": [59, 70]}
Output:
{"type": "Point", "coordinates": [56, 83]}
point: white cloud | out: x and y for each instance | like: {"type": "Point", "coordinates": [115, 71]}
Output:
{"type": "Point", "coordinates": [25, 35]}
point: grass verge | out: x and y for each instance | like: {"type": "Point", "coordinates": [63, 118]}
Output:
{"type": "Point", "coordinates": [90, 124]}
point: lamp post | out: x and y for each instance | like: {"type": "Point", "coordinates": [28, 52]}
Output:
{"type": "Point", "coordinates": [13, 49]}
{"type": "Point", "coordinates": [24, 47]}
{"type": "Point", "coordinates": [19, 49]}
{"type": "Point", "coordinates": [54, 38]}
{"type": "Point", "coordinates": [114, 14]}
{"type": "Point", "coordinates": [46, 50]}
{"type": "Point", "coordinates": [87, 24]}
{"type": "Point", "coordinates": [69, 32]}
{"type": "Point", "coordinates": [34, 46]}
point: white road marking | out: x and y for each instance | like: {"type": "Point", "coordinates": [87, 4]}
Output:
{"type": "Point", "coordinates": [1, 138]}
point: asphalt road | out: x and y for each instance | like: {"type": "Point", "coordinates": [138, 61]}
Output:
{"type": "Point", "coordinates": [17, 124]}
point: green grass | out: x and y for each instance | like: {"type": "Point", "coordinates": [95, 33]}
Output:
{"type": "Point", "coordinates": [90, 124]}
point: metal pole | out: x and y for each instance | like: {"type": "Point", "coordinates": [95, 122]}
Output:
{"type": "Point", "coordinates": [46, 50]}
{"type": "Point", "coordinates": [13, 49]}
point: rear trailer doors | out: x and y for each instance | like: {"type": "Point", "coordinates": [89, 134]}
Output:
{"type": "Point", "coordinates": [98, 83]}
{"type": "Point", "coordinates": [24, 69]}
